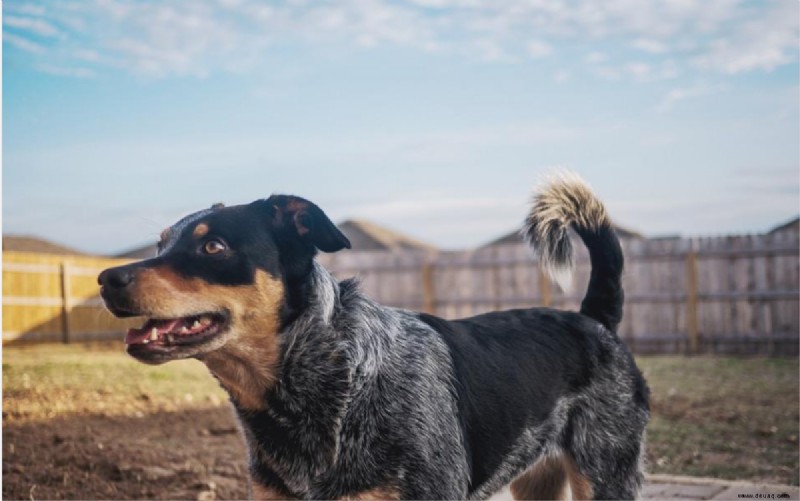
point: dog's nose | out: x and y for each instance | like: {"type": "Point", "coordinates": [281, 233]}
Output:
{"type": "Point", "coordinates": [116, 278]}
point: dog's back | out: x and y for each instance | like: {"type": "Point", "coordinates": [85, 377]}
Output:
{"type": "Point", "coordinates": [545, 383]}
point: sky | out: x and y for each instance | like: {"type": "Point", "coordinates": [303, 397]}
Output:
{"type": "Point", "coordinates": [432, 117]}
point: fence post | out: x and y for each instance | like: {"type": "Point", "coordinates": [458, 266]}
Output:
{"type": "Point", "coordinates": [544, 287]}
{"type": "Point", "coordinates": [691, 300]}
{"type": "Point", "coordinates": [65, 301]}
{"type": "Point", "coordinates": [428, 288]}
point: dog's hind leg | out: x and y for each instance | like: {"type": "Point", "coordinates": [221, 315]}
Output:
{"type": "Point", "coordinates": [552, 477]}
{"type": "Point", "coordinates": [608, 453]}
{"type": "Point", "coordinates": [547, 479]}
{"type": "Point", "coordinates": [260, 492]}
{"type": "Point", "coordinates": [580, 486]}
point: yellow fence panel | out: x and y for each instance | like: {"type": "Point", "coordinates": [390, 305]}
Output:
{"type": "Point", "coordinates": [49, 297]}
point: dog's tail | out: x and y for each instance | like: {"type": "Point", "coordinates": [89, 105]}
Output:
{"type": "Point", "coordinates": [564, 201]}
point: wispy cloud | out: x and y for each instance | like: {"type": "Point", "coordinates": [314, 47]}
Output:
{"type": "Point", "coordinates": [679, 94]}
{"type": "Point", "coordinates": [645, 72]}
{"type": "Point", "coordinates": [639, 70]}
{"type": "Point", "coordinates": [36, 26]}
{"type": "Point", "coordinates": [649, 45]}
{"type": "Point", "coordinates": [596, 57]}
{"type": "Point", "coordinates": [426, 203]}
{"type": "Point", "coordinates": [489, 50]}
{"type": "Point", "coordinates": [72, 72]}
{"type": "Point", "coordinates": [23, 43]}
{"type": "Point", "coordinates": [23, 8]}
{"type": "Point", "coordinates": [203, 37]}
{"type": "Point", "coordinates": [762, 43]}
{"type": "Point", "coordinates": [434, 216]}
{"type": "Point", "coordinates": [767, 181]}
{"type": "Point", "coordinates": [538, 49]}
{"type": "Point", "coordinates": [561, 76]}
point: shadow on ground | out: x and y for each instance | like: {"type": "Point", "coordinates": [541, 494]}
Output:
{"type": "Point", "coordinates": [192, 454]}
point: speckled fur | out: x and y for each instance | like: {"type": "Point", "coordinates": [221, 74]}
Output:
{"type": "Point", "coordinates": [370, 397]}
{"type": "Point", "coordinates": [356, 400]}
{"type": "Point", "coordinates": [365, 397]}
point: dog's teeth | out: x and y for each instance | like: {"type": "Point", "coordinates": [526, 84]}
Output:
{"type": "Point", "coordinates": [196, 324]}
{"type": "Point", "coordinates": [183, 330]}
{"type": "Point", "coordinates": [146, 341]}
{"type": "Point", "coordinates": [205, 320]}
{"type": "Point", "coordinates": [153, 334]}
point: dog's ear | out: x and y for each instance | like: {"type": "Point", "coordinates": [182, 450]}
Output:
{"type": "Point", "coordinates": [300, 217]}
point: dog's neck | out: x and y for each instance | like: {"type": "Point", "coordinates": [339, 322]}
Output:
{"type": "Point", "coordinates": [323, 296]}
{"type": "Point", "coordinates": [249, 366]}
{"type": "Point", "coordinates": [246, 371]}
{"type": "Point", "coordinates": [313, 379]}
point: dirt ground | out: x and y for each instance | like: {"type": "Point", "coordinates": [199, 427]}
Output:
{"type": "Point", "coordinates": [88, 422]}
{"type": "Point", "coordinates": [193, 454]}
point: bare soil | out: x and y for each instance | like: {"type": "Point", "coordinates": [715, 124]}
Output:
{"type": "Point", "coordinates": [88, 422]}
{"type": "Point", "coordinates": [192, 454]}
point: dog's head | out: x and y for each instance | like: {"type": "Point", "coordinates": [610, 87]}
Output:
{"type": "Point", "coordinates": [222, 275]}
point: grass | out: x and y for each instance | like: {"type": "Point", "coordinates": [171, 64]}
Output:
{"type": "Point", "coordinates": [723, 417]}
{"type": "Point", "coordinates": [46, 381]}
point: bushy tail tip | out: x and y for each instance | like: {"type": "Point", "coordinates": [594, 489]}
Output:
{"type": "Point", "coordinates": [564, 199]}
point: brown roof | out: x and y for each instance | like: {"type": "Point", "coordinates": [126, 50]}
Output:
{"type": "Point", "coordinates": [793, 225]}
{"type": "Point", "coordinates": [25, 243]}
{"type": "Point", "coordinates": [365, 235]}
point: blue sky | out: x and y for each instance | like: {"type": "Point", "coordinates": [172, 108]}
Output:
{"type": "Point", "coordinates": [432, 117]}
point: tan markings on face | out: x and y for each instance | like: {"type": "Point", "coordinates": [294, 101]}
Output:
{"type": "Point", "coordinates": [246, 363]}
{"type": "Point", "coordinates": [200, 230]}
{"type": "Point", "coordinates": [261, 492]}
{"type": "Point", "coordinates": [377, 493]}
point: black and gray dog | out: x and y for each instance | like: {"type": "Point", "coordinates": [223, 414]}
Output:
{"type": "Point", "coordinates": [340, 397]}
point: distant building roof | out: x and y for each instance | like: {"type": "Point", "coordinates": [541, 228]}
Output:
{"type": "Point", "coordinates": [515, 237]}
{"type": "Point", "coordinates": [792, 225]}
{"type": "Point", "coordinates": [364, 235]}
{"type": "Point", "coordinates": [25, 243]}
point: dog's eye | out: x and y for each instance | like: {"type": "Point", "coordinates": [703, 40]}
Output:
{"type": "Point", "coordinates": [214, 247]}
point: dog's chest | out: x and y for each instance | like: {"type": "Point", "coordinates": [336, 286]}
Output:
{"type": "Point", "coordinates": [296, 438]}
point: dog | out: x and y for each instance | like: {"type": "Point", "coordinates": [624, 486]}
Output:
{"type": "Point", "coordinates": [339, 397]}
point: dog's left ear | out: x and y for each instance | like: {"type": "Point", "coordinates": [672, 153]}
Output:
{"type": "Point", "coordinates": [307, 221]}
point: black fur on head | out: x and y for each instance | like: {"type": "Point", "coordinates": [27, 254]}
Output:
{"type": "Point", "coordinates": [297, 218]}
{"type": "Point", "coordinates": [299, 228]}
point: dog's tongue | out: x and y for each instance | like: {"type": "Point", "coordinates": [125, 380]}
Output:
{"type": "Point", "coordinates": [138, 336]}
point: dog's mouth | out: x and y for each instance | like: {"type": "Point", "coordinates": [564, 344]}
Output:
{"type": "Point", "coordinates": [167, 332]}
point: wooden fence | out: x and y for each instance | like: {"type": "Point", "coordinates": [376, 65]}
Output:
{"type": "Point", "coordinates": [55, 298]}
{"type": "Point", "coordinates": [704, 295]}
